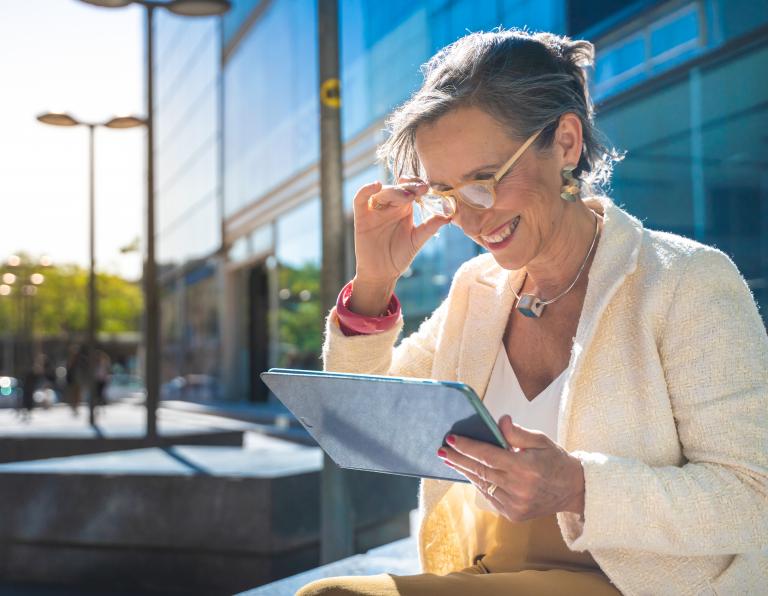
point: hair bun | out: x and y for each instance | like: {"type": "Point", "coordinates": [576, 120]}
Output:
{"type": "Point", "coordinates": [580, 52]}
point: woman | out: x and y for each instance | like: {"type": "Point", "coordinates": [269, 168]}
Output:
{"type": "Point", "coordinates": [633, 363]}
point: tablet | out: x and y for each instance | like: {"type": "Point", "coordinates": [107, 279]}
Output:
{"type": "Point", "coordinates": [384, 424]}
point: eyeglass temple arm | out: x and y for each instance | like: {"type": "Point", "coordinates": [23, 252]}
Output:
{"type": "Point", "coordinates": [510, 162]}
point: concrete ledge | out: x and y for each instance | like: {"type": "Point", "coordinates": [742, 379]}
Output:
{"type": "Point", "coordinates": [32, 448]}
{"type": "Point", "coordinates": [181, 520]}
{"type": "Point", "coordinates": [398, 558]}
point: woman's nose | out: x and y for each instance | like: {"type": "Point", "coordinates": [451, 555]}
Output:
{"type": "Point", "coordinates": [471, 221]}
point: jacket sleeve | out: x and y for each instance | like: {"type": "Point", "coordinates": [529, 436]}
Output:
{"type": "Point", "coordinates": [376, 354]}
{"type": "Point", "coordinates": [714, 352]}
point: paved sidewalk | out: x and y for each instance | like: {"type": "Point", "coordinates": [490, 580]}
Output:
{"type": "Point", "coordinates": [114, 420]}
{"type": "Point", "coordinates": [57, 432]}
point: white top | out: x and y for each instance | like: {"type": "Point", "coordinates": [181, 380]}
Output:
{"type": "Point", "coordinates": [505, 396]}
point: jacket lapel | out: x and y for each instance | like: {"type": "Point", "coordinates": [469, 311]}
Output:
{"type": "Point", "coordinates": [615, 259]}
{"type": "Point", "coordinates": [490, 301]}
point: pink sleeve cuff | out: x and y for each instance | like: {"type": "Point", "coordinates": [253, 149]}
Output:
{"type": "Point", "coordinates": [352, 323]}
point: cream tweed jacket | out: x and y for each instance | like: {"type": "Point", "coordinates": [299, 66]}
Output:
{"type": "Point", "coordinates": [665, 403]}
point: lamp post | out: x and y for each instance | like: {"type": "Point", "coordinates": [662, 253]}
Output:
{"type": "Point", "coordinates": [187, 8]}
{"type": "Point", "coordinates": [64, 119]}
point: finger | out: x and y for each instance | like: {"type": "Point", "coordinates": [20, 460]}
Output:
{"type": "Point", "coordinates": [462, 464]}
{"type": "Point", "coordinates": [517, 436]}
{"type": "Point", "coordinates": [395, 196]}
{"type": "Point", "coordinates": [500, 498]}
{"type": "Point", "coordinates": [503, 500]}
{"type": "Point", "coordinates": [480, 451]}
{"type": "Point", "coordinates": [406, 179]}
{"type": "Point", "coordinates": [364, 193]}
{"type": "Point", "coordinates": [426, 230]}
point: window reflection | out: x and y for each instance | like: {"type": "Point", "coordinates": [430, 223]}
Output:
{"type": "Point", "coordinates": [299, 316]}
{"type": "Point", "coordinates": [702, 176]}
{"type": "Point", "coordinates": [271, 106]}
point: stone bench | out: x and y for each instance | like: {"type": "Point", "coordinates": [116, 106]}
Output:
{"type": "Point", "coordinates": [181, 520]}
{"type": "Point", "coordinates": [399, 558]}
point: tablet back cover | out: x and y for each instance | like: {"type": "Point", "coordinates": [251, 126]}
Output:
{"type": "Point", "coordinates": [382, 424]}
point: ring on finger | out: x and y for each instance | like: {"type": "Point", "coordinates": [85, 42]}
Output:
{"type": "Point", "coordinates": [491, 489]}
{"type": "Point", "coordinates": [375, 203]}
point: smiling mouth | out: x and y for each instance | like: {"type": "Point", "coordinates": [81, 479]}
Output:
{"type": "Point", "coordinates": [502, 234]}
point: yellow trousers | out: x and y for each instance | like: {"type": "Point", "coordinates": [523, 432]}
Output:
{"type": "Point", "coordinates": [513, 559]}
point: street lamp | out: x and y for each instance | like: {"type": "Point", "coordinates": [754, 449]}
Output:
{"type": "Point", "coordinates": [64, 119]}
{"type": "Point", "coordinates": [187, 8]}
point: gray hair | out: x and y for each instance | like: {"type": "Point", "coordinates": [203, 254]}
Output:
{"type": "Point", "coordinates": [524, 80]}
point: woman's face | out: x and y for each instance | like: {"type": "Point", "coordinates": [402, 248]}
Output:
{"type": "Point", "coordinates": [468, 144]}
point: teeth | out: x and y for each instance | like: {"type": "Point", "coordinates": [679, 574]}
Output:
{"type": "Point", "coordinates": [504, 234]}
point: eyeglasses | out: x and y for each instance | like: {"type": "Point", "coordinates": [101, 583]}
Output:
{"type": "Point", "coordinates": [478, 194]}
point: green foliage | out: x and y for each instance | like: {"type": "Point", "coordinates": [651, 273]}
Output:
{"type": "Point", "coordinates": [60, 306]}
{"type": "Point", "coordinates": [299, 316]}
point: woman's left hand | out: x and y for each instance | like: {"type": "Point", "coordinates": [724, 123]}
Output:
{"type": "Point", "coordinates": [534, 477]}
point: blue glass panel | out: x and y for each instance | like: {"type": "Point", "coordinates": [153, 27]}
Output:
{"type": "Point", "coordinates": [440, 33]}
{"type": "Point", "coordinates": [536, 15]}
{"type": "Point", "coordinates": [353, 183]}
{"type": "Point", "coordinates": [261, 239]}
{"type": "Point", "coordinates": [385, 43]}
{"type": "Point", "coordinates": [738, 17]}
{"type": "Point", "coordinates": [694, 163]}
{"type": "Point", "coordinates": [381, 18]}
{"type": "Point", "coordinates": [239, 251]}
{"type": "Point", "coordinates": [474, 15]}
{"type": "Point", "coordinates": [187, 146]}
{"type": "Point", "coordinates": [425, 285]}
{"type": "Point", "coordinates": [619, 59]}
{"type": "Point", "coordinates": [675, 33]}
{"type": "Point", "coordinates": [298, 235]}
{"type": "Point", "coordinates": [382, 50]}
{"type": "Point", "coordinates": [192, 235]}
{"type": "Point", "coordinates": [236, 16]}
{"type": "Point", "coordinates": [271, 108]}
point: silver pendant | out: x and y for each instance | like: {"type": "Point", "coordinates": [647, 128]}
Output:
{"type": "Point", "coordinates": [530, 306]}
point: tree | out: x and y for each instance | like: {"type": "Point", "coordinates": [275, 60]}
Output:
{"type": "Point", "coordinates": [300, 317]}
{"type": "Point", "coordinates": [60, 304]}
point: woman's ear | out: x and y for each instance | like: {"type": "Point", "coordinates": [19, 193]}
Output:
{"type": "Point", "coordinates": [568, 140]}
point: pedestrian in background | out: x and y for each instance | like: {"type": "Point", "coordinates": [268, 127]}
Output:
{"type": "Point", "coordinates": [77, 367]}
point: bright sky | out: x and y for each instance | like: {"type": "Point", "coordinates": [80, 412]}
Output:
{"type": "Point", "coordinates": [64, 55]}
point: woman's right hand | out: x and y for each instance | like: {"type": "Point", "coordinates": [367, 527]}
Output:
{"type": "Point", "coordinates": [386, 240]}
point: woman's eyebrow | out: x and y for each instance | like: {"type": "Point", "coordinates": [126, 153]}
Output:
{"type": "Point", "coordinates": [493, 166]}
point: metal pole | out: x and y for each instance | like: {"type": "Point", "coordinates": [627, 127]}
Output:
{"type": "Point", "coordinates": [25, 333]}
{"type": "Point", "coordinates": [91, 340]}
{"type": "Point", "coordinates": [337, 531]}
{"type": "Point", "coordinates": [31, 315]}
{"type": "Point", "coordinates": [152, 318]}
{"type": "Point", "coordinates": [19, 347]}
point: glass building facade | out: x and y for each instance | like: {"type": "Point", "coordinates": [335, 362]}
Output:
{"type": "Point", "coordinates": [678, 86]}
{"type": "Point", "coordinates": [188, 210]}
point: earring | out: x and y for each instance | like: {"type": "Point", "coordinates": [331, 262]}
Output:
{"type": "Point", "coordinates": [571, 188]}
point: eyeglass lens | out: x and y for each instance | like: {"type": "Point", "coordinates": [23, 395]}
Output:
{"type": "Point", "coordinates": [438, 204]}
{"type": "Point", "coordinates": [477, 195]}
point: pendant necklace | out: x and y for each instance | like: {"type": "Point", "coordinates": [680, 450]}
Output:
{"type": "Point", "coordinates": [531, 305]}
